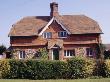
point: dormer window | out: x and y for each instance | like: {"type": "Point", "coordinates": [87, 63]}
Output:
{"type": "Point", "coordinates": [62, 34]}
{"type": "Point", "coordinates": [47, 35]}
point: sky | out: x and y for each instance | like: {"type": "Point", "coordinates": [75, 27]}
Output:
{"type": "Point", "coordinates": [12, 11]}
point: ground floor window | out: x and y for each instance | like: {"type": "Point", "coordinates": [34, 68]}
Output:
{"type": "Point", "coordinates": [69, 53]}
{"type": "Point", "coordinates": [22, 55]}
{"type": "Point", "coordinates": [89, 51]}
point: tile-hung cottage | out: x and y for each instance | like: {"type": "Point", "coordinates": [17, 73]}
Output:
{"type": "Point", "coordinates": [63, 36]}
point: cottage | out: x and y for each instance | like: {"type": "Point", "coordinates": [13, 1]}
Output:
{"type": "Point", "coordinates": [64, 36]}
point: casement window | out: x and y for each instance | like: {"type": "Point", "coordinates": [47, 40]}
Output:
{"type": "Point", "coordinates": [89, 51]}
{"type": "Point", "coordinates": [22, 55]}
{"type": "Point", "coordinates": [69, 53]}
{"type": "Point", "coordinates": [47, 35]}
{"type": "Point", "coordinates": [62, 34]}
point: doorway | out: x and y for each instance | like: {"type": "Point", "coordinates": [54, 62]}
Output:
{"type": "Point", "coordinates": [55, 55]}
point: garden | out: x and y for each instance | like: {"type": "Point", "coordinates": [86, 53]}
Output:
{"type": "Point", "coordinates": [75, 69]}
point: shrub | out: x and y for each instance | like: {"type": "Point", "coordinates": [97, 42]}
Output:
{"type": "Point", "coordinates": [37, 69]}
{"type": "Point", "coordinates": [43, 54]}
{"type": "Point", "coordinates": [107, 54]}
{"type": "Point", "coordinates": [107, 65]}
{"type": "Point", "coordinates": [4, 68]}
{"type": "Point", "coordinates": [80, 67]}
{"type": "Point", "coordinates": [18, 69]}
{"type": "Point", "coordinates": [45, 69]}
{"type": "Point", "coordinates": [100, 68]}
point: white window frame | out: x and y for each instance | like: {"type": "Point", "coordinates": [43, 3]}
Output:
{"type": "Point", "coordinates": [45, 35]}
{"type": "Point", "coordinates": [69, 53]}
{"type": "Point", "coordinates": [59, 33]}
{"type": "Point", "coordinates": [90, 55]}
{"type": "Point", "coordinates": [22, 55]}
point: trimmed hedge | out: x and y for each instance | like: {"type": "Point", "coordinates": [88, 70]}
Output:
{"type": "Point", "coordinates": [45, 69]}
{"type": "Point", "coordinates": [80, 67]}
{"type": "Point", "coordinates": [34, 69]}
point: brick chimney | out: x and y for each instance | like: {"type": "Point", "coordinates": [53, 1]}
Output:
{"type": "Point", "coordinates": [54, 9]}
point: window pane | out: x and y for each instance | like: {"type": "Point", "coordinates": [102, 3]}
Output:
{"type": "Point", "coordinates": [91, 51]}
{"type": "Point", "coordinates": [44, 35]}
{"type": "Point", "coordinates": [71, 53]}
{"type": "Point", "coordinates": [23, 54]}
{"type": "Point", "coordinates": [20, 54]}
{"type": "Point", "coordinates": [62, 34]}
{"type": "Point", "coordinates": [64, 52]}
{"type": "Point", "coordinates": [68, 52]}
{"type": "Point", "coordinates": [87, 51]}
{"type": "Point", "coordinates": [47, 35]}
{"type": "Point", "coordinates": [50, 35]}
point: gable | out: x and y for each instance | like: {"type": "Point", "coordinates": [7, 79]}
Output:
{"type": "Point", "coordinates": [52, 22]}
{"type": "Point", "coordinates": [54, 27]}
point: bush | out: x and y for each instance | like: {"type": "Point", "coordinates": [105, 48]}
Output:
{"type": "Point", "coordinates": [80, 67]}
{"type": "Point", "coordinates": [37, 69]}
{"type": "Point", "coordinates": [44, 69]}
{"type": "Point", "coordinates": [107, 65]}
{"type": "Point", "coordinates": [100, 68]}
{"type": "Point", "coordinates": [107, 54]}
{"type": "Point", "coordinates": [43, 54]}
{"type": "Point", "coordinates": [4, 68]}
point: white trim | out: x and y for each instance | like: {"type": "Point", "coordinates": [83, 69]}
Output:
{"type": "Point", "coordinates": [68, 55]}
{"type": "Point", "coordinates": [52, 54]}
{"type": "Point", "coordinates": [46, 26]}
{"type": "Point", "coordinates": [63, 34]}
{"type": "Point", "coordinates": [20, 54]}
{"type": "Point", "coordinates": [90, 55]}
{"type": "Point", "coordinates": [50, 22]}
{"type": "Point", "coordinates": [62, 26]}
{"type": "Point", "coordinates": [45, 35]}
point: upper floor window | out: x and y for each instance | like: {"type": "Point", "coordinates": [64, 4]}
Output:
{"type": "Point", "coordinates": [62, 34]}
{"type": "Point", "coordinates": [89, 51]}
{"type": "Point", "coordinates": [69, 53]}
{"type": "Point", "coordinates": [47, 35]}
{"type": "Point", "coordinates": [22, 55]}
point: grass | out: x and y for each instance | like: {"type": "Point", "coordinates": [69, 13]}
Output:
{"type": "Point", "coordinates": [77, 80]}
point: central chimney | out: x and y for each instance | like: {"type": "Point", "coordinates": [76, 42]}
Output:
{"type": "Point", "coordinates": [54, 9]}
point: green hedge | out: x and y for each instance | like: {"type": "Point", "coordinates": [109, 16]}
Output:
{"type": "Point", "coordinates": [34, 69]}
{"type": "Point", "coordinates": [80, 67]}
{"type": "Point", "coordinates": [107, 67]}
{"type": "Point", "coordinates": [45, 69]}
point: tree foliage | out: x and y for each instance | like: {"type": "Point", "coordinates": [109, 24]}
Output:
{"type": "Point", "coordinates": [43, 54]}
{"type": "Point", "coordinates": [2, 49]}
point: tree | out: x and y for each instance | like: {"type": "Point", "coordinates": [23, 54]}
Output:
{"type": "Point", "coordinates": [107, 54]}
{"type": "Point", "coordinates": [43, 54]}
{"type": "Point", "coordinates": [2, 49]}
{"type": "Point", "coordinates": [100, 49]}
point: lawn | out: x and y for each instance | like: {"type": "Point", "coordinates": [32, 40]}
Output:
{"type": "Point", "coordinates": [78, 80]}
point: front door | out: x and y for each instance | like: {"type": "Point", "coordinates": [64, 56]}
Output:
{"type": "Point", "coordinates": [55, 54]}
